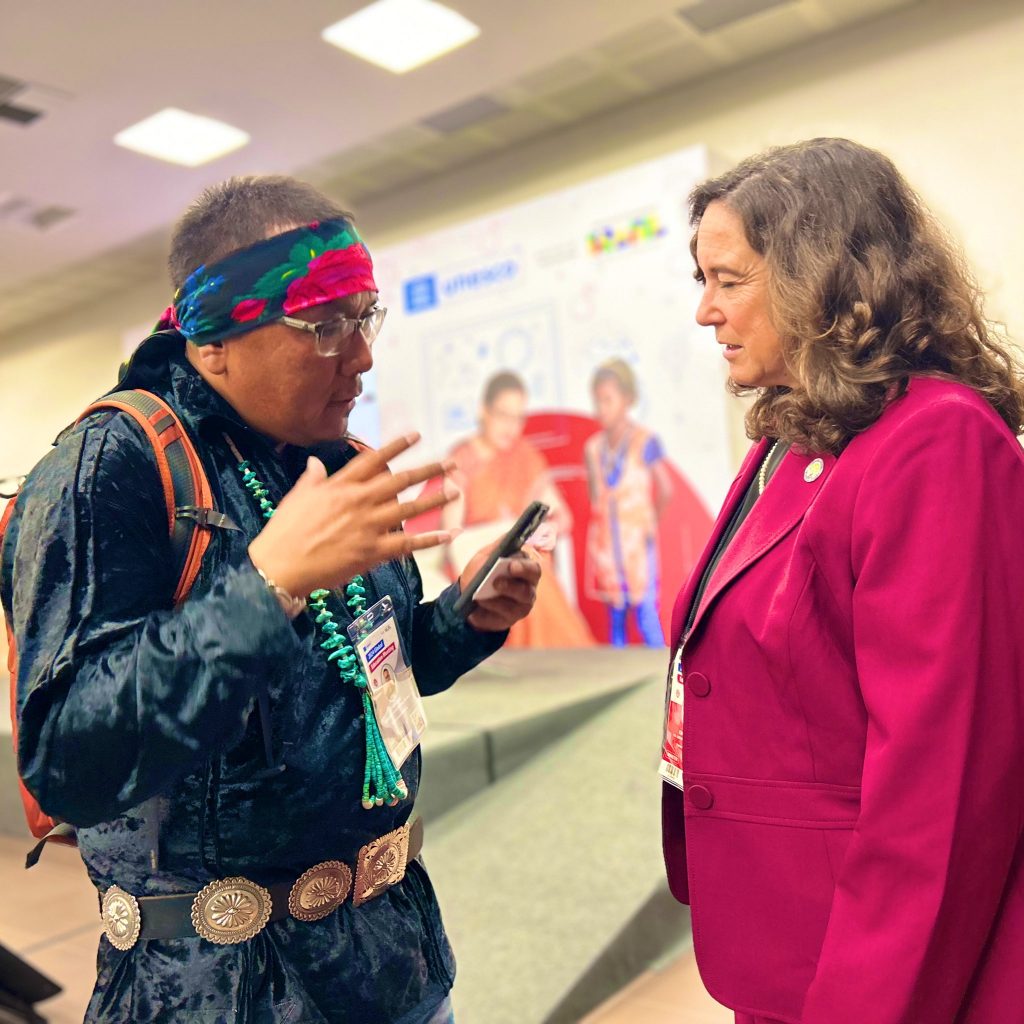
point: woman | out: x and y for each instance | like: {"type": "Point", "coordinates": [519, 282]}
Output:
{"type": "Point", "coordinates": [498, 473]}
{"type": "Point", "coordinates": [849, 652]}
{"type": "Point", "coordinates": [629, 489]}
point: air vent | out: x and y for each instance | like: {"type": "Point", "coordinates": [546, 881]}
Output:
{"type": "Point", "coordinates": [8, 87]}
{"type": "Point", "coordinates": [20, 212]}
{"type": "Point", "coordinates": [45, 218]}
{"type": "Point", "coordinates": [465, 115]}
{"type": "Point", "coordinates": [23, 103]}
{"type": "Point", "coordinates": [13, 207]}
{"type": "Point", "coordinates": [18, 114]}
{"type": "Point", "coordinates": [711, 15]}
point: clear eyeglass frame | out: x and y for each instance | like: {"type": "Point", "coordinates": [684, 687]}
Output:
{"type": "Point", "coordinates": [333, 336]}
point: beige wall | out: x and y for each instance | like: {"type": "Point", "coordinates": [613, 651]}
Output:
{"type": "Point", "coordinates": [935, 86]}
{"type": "Point", "coordinates": [50, 373]}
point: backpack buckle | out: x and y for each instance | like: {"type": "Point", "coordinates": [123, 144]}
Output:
{"type": "Point", "coordinates": [207, 517]}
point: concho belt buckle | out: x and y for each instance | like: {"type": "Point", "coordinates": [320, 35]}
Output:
{"type": "Point", "coordinates": [381, 865]}
{"type": "Point", "coordinates": [121, 918]}
{"type": "Point", "coordinates": [320, 890]}
{"type": "Point", "coordinates": [231, 910]}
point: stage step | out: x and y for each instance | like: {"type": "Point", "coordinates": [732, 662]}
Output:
{"type": "Point", "coordinates": [551, 880]}
{"type": "Point", "coordinates": [512, 707]}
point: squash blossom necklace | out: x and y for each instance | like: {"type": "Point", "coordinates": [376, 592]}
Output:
{"type": "Point", "coordinates": [382, 781]}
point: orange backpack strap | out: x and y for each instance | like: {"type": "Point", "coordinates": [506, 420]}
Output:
{"type": "Point", "coordinates": [190, 515]}
{"type": "Point", "coordinates": [187, 493]}
{"type": "Point", "coordinates": [39, 824]}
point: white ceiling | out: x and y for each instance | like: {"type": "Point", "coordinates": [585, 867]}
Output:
{"type": "Point", "coordinates": [96, 67]}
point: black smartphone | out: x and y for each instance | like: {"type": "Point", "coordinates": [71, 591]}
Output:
{"type": "Point", "coordinates": [509, 545]}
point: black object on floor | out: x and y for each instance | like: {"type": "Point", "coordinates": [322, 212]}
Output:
{"type": "Point", "coordinates": [21, 987]}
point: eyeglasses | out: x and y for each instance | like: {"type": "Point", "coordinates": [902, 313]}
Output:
{"type": "Point", "coordinates": [333, 336]}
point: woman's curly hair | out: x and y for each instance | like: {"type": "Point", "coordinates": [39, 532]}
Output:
{"type": "Point", "coordinates": [865, 289]}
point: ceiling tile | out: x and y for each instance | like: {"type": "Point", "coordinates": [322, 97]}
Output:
{"type": "Point", "coordinates": [712, 15]}
{"type": "Point", "coordinates": [404, 139]}
{"type": "Point", "coordinates": [646, 38]}
{"type": "Point", "coordinates": [588, 98]}
{"type": "Point", "coordinates": [844, 11]}
{"type": "Point", "coordinates": [558, 77]}
{"type": "Point", "coordinates": [517, 125]}
{"type": "Point", "coordinates": [767, 32]}
{"type": "Point", "coordinates": [675, 66]}
{"type": "Point", "coordinates": [465, 115]}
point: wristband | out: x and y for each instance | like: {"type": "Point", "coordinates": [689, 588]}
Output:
{"type": "Point", "coordinates": [292, 606]}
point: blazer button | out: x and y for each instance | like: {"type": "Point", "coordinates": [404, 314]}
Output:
{"type": "Point", "coordinates": [700, 797]}
{"type": "Point", "coordinates": [699, 684]}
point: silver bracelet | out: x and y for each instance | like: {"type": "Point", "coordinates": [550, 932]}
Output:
{"type": "Point", "coordinates": [292, 606]}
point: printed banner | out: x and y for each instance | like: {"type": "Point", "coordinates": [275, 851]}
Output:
{"type": "Point", "coordinates": [551, 348]}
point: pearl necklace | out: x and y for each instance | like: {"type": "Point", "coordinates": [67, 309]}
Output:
{"type": "Point", "coordinates": [762, 472]}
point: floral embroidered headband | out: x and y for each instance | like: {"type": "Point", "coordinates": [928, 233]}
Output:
{"type": "Point", "coordinates": [308, 266]}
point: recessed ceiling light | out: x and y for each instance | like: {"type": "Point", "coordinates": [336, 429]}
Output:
{"type": "Point", "coordinates": [401, 34]}
{"type": "Point", "coordinates": [182, 138]}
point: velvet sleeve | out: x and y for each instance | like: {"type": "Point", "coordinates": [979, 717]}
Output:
{"type": "Point", "coordinates": [444, 646]}
{"type": "Point", "coordinates": [938, 616]}
{"type": "Point", "coordinates": [120, 695]}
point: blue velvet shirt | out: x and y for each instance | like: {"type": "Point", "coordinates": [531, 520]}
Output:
{"type": "Point", "coordinates": [122, 699]}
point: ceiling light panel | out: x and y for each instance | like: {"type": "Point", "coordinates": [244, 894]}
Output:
{"type": "Point", "coordinates": [400, 35]}
{"type": "Point", "coordinates": [182, 138]}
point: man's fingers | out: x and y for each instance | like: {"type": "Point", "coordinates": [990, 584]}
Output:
{"type": "Point", "coordinates": [484, 618]}
{"type": "Point", "coordinates": [395, 545]}
{"type": "Point", "coordinates": [527, 569]}
{"type": "Point", "coordinates": [411, 509]}
{"type": "Point", "coordinates": [395, 483]}
{"type": "Point", "coordinates": [314, 473]}
{"type": "Point", "coordinates": [382, 485]}
{"type": "Point", "coordinates": [520, 591]}
{"type": "Point", "coordinates": [394, 514]}
{"type": "Point", "coordinates": [368, 464]}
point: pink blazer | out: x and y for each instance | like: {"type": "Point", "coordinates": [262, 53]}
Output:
{"type": "Point", "coordinates": [850, 838]}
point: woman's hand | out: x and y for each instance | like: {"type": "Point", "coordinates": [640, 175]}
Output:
{"type": "Point", "coordinates": [328, 529]}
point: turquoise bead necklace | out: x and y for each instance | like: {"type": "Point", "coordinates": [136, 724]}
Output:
{"type": "Point", "coordinates": [382, 781]}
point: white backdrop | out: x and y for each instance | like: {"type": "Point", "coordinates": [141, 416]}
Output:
{"type": "Point", "coordinates": [551, 288]}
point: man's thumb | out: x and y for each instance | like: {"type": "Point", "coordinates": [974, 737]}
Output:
{"type": "Point", "coordinates": [314, 473]}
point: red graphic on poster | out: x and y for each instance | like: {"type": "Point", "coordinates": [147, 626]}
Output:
{"type": "Point", "coordinates": [681, 530]}
{"type": "Point", "coordinates": [499, 472]}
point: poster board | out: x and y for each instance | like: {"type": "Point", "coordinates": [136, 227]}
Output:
{"type": "Point", "coordinates": [550, 290]}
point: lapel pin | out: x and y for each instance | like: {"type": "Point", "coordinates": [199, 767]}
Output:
{"type": "Point", "coordinates": [814, 470]}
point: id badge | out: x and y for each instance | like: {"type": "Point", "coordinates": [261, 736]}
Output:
{"type": "Point", "coordinates": [392, 687]}
{"type": "Point", "coordinates": [671, 768]}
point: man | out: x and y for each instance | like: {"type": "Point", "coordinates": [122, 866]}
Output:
{"type": "Point", "coordinates": [220, 759]}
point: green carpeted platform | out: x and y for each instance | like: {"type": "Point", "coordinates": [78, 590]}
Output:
{"type": "Point", "coordinates": [551, 880]}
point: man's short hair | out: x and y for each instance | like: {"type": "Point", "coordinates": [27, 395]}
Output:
{"type": "Point", "coordinates": [240, 212]}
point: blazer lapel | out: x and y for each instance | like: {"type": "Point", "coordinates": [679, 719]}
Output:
{"type": "Point", "coordinates": [750, 466]}
{"type": "Point", "coordinates": [784, 503]}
